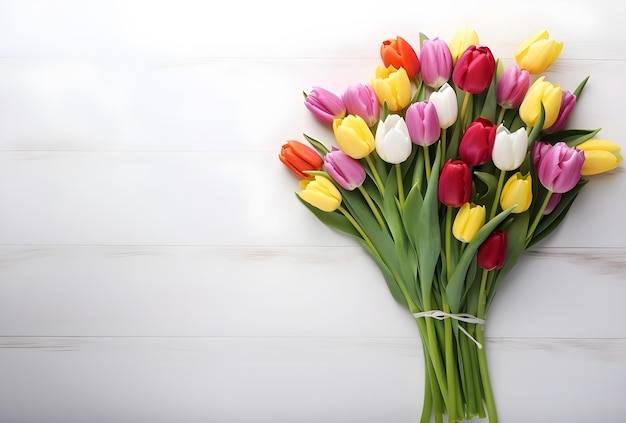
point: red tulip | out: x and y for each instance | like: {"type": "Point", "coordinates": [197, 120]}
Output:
{"type": "Point", "coordinates": [399, 54]}
{"type": "Point", "coordinates": [299, 157]}
{"type": "Point", "coordinates": [455, 183]}
{"type": "Point", "coordinates": [474, 70]}
{"type": "Point", "coordinates": [492, 252]}
{"type": "Point", "coordinates": [477, 142]}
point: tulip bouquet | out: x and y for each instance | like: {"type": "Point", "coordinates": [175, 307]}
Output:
{"type": "Point", "coordinates": [445, 168]}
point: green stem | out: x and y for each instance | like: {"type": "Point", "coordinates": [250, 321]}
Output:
{"type": "Point", "coordinates": [466, 99]}
{"type": "Point", "coordinates": [433, 347]}
{"type": "Point", "coordinates": [496, 199]}
{"type": "Point", "coordinates": [451, 366]}
{"type": "Point", "coordinates": [359, 229]}
{"type": "Point", "coordinates": [427, 406]}
{"type": "Point", "coordinates": [373, 207]}
{"type": "Point", "coordinates": [372, 167]}
{"type": "Point", "coordinates": [400, 184]}
{"type": "Point", "coordinates": [448, 243]}
{"type": "Point", "coordinates": [501, 116]}
{"type": "Point", "coordinates": [531, 231]}
{"type": "Point", "coordinates": [444, 140]}
{"type": "Point", "coordinates": [482, 357]}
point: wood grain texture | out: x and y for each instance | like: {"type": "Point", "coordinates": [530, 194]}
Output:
{"type": "Point", "coordinates": [156, 266]}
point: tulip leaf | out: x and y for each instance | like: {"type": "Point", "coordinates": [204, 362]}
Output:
{"type": "Point", "coordinates": [536, 131]}
{"type": "Point", "coordinates": [489, 107]}
{"type": "Point", "coordinates": [455, 287]}
{"type": "Point", "coordinates": [491, 181]}
{"type": "Point", "coordinates": [579, 88]}
{"type": "Point", "coordinates": [334, 220]}
{"type": "Point", "coordinates": [423, 37]}
{"type": "Point", "coordinates": [572, 137]}
{"type": "Point", "coordinates": [321, 148]}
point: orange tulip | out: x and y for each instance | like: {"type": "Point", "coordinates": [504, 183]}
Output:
{"type": "Point", "coordinates": [299, 157]}
{"type": "Point", "coordinates": [399, 54]}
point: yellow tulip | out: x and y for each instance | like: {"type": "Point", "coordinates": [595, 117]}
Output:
{"type": "Point", "coordinates": [541, 91]}
{"type": "Point", "coordinates": [468, 221]}
{"type": "Point", "coordinates": [600, 156]}
{"type": "Point", "coordinates": [321, 193]}
{"type": "Point", "coordinates": [461, 41]}
{"type": "Point", "coordinates": [392, 86]}
{"type": "Point", "coordinates": [354, 136]}
{"type": "Point", "coordinates": [537, 53]}
{"type": "Point", "coordinates": [518, 191]}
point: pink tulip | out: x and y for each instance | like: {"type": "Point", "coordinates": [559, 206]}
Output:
{"type": "Point", "coordinates": [325, 105]}
{"type": "Point", "coordinates": [361, 100]}
{"type": "Point", "coordinates": [558, 166]}
{"type": "Point", "coordinates": [436, 62]}
{"type": "Point", "coordinates": [512, 87]}
{"type": "Point", "coordinates": [345, 170]}
{"type": "Point", "coordinates": [423, 123]}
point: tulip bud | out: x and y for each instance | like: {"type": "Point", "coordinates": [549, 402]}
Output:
{"type": "Point", "coordinates": [436, 62]}
{"type": "Point", "coordinates": [399, 54]}
{"type": "Point", "coordinates": [568, 102]}
{"type": "Point", "coordinates": [354, 136]}
{"type": "Point", "coordinates": [474, 69]}
{"type": "Point", "coordinates": [477, 142]}
{"type": "Point", "coordinates": [392, 86]}
{"type": "Point", "coordinates": [558, 166]}
{"type": "Point", "coordinates": [509, 149]}
{"type": "Point", "coordinates": [393, 144]}
{"type": "Point", "coordinates": [423, 123]}
{"type": "Point", "coordinates": [345, 170]}
{"type": "Point", "coordinates": [600, 156]}
{"type": "Point", "coordinates": [455, 183]}
{"type": "Point", "coordinates": [537, 53]}
{"type": "Point", "coordinates": [445, 102]}
{"type": "Point", "coordinates": [492, 252]}
{"type": "Point", "coordinates": [361, 100]}
{"type": "Point", "coordinates": [468, 221]}
{"type": "Point", "coordinates": [460, 41]}
{"type": "Point", "coordinates": [541, 92]}
{"type": "Point", "coordinates": [512, 87]}
{"type": "Point", "coordinates": [299, 158]}
{"type": "Point", "coordinates": [517, 191]}
{"type": "Point", "coordinates": [321, 193]}
{"type": "Point", "coordinates": [325, 105]}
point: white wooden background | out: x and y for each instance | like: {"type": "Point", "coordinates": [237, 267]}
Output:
{"type": "Point", "coordinates": [155, 265]}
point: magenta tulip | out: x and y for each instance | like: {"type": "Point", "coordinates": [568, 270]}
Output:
{"type": "Point", "coordinates": [345, 170]}
{"type": "Point", "coordinates": [436, 61]}
{"type": "Point", "coordinates": [568, 102]}
{"type": "Point", "coordinates": [361, 100]}
{"type": "Point", "coordinates": [455, 183]}
{"type": "Point", "coordinates": [423, 123]}
{"type": "Point", "coordinates": [558, 166]}
{"type": "Point", "coordinates": [512, 87]}
{"type": "Point", "coordinates": [325, 105]}
{"type": "Point", "coordinates": [492, 252]}
{"type": "Point", "coordinates": [477, 142]}
{"type": "Point", "coordinates": [474, 70]}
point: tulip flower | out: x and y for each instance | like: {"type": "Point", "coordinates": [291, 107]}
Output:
{"type": "Point", "coordinates": [541, 92]}
{"type": "Point", "coordinates": [354, 136]}
{"type": "Point", "coordinates": [436, 62]}
{"type": "Point", "coordinates": [423, 123]}
{"type": "Point", "coordinates": [518, 191]}
{"type": "Point", "coordinates": [325, 105]}
{"type": "Point", "coordinates": [511, 87]}
{"type": "Point", "coordinates": [474, 69]}
{"type": "Point", "coordinates": [554, 200]}
{"type": "Point", "coordinates": [558, 166]}
{"type": "Point", "coordinates": [468, 221]}
{"type": "Point", "coordinates": [393, 143]}
{"type": "Point", "coordinates": [445, 102]}
{"type": "Point", "coordinates": [492, 252]}
{"type": "Point", "coordinates": [399, 54]}
{"type": "Point", "coordinates": [460, 41]}
{"type": "Point", "coordinates": [509, 149]}
{"type": "Point", "coordinates": [600, 156]}
{"type": "Point", "coordinates": [299, 158]}
{"type": "Point", "coordinates": [568, 102]}
{"type": "Point", "coordinates": [321, 193]}
{"type": "Point", "coordinates": [455, 183]}
{"type": "Point", "coordinates": [477, 142]}
{"type": "Point", "coordinates": [537, 53]}
{"type": "Point", "coordinates": [361, 100]}
{"type": "Point", "coordinates": [392, 86]}
{"type": "Point", "coordinates": [345, 170]}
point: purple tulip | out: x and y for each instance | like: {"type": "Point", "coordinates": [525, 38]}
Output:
{"type": "Point", "coordinates": [558, 166]}
{"type": "Point", "coordinates": [568, 102]}
{"type": "Point", "coordinates": [345, 170]}
{"type": "Point", "coordinates": [512, 87]}
{"type": "Point", "coordinates": [423, 123]}
{"type": "Point", "coordinates": [436, 61]}
{"type": "Point", "coordinates": [325, 105]}
{"type": "Point", "coordinates": [361, 100]}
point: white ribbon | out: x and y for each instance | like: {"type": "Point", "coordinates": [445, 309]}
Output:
{"type": "Point", "coordinates": [463, 317]}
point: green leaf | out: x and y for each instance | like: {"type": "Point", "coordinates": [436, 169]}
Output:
{"type": "Point", "coordinates": [579, 88]}
{"type": "Point", "coordinates": [334, 220]}
{"type": "Point", "coordinates": [536, 131]}
{"type": "Point", "coordinates": [456, 288]}
{"type": "Point", "coordinates": [491, 182]}
{"type": "Point", "coordinates": [321, 148]}
{"type": "Point", "coordinates": [423, 37]}
{"type": "Point", "coordinates": [572, 137]}
{"type": "Point", "coordinates": [489, 107]}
